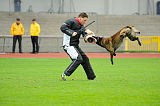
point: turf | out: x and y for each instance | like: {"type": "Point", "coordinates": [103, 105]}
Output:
{"type": "Point", "coordinates": [36, 82]}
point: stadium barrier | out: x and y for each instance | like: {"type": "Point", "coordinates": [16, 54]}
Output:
{"type": "Point", "coordinates": [50, 44]}
{"type": "Point", "coordinates": [149, 43]}
{"type": "Point", "coordinates": [47, 43]}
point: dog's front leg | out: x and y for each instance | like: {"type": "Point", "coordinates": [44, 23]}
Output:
{"type": "Point", "coordinates": [133, 38]}
{"type": "Point", "coordinates": [139, 41]}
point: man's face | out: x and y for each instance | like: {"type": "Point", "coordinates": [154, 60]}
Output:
{"type": "Point", "coordinates": [33, 22]}
{"type": "Point", "coordinates": [18, 22]}
{"type": "Point", "coordinates": [83, 20]}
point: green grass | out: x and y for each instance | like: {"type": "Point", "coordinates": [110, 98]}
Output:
{"type": "Point", "coordinates": [36, 82]}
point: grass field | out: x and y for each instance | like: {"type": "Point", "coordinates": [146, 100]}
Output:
{"type": "Point", "coordinates": [36, 82]}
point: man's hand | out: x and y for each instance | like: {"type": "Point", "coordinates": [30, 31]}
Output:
{"type": "Point", "coordinates": [89, 32]}
{"type": "Point", "coordinates": [74, 33]}
{"type": "Point", "coordinates": [82, 31]}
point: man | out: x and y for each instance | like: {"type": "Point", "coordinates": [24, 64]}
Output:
{"type": "Point", "coordinates": [72, 32]}
{"type": "Point", "coordinates": [34, 32]}
{"type": "Point", "coordinates": [17, 30]}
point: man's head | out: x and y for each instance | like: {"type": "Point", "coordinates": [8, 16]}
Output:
{"type": "Point", "coordinates": [18, 21]}
{"type": "Point", "coordinates": [83, 17]}
{"type": "Point", "coordinates": [33, 20]}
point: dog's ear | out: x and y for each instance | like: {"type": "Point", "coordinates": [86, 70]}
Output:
{"type": "Point", "coordinates": [129, 27]}
{"type": "Point", "coordinates": [123, 32]}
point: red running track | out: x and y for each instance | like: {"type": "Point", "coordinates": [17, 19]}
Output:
{"type": "Point", "coordinates": [90, 55]}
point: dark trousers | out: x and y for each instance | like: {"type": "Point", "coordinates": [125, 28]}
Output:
{"type": "Point", "coordinates": [78, 57]}
{"type": "Point", "coordinates": [15, 38]}
{"type": "Point", "coordinates": [35, 44]}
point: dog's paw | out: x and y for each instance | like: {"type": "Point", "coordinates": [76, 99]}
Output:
{"type": "Point", "coordinates": [139, 43]}
{"type": "Point", "coordinates": [114, 54]}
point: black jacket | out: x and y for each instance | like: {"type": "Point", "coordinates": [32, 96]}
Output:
{"type": "Point", "coordinates": [68, 27]}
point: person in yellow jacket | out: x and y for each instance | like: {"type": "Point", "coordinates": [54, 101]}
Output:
{"type": "Point", "coordinates": [17, 30]}
{"type": "Point", "coordinates": [34, 32]}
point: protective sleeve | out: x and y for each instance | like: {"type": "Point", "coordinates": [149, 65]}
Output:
{"type": "Point", "coordinates": [66, 27]}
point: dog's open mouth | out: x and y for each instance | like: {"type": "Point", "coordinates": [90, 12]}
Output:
{"type": "Point", "coordinates": [134, 34]}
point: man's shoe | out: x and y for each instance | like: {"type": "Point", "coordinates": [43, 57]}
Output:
{"type": "Point", "coordinates": [92, 79]}
{"type": "Point", "coordinates": [33, 52]}
{"type": "Point", "coordinates": [63, 76]}
{"type": "Point", "coordinates": [37, 51]}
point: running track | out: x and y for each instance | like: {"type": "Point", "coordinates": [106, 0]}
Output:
{"type": "Point", "coordinates": [90, 55]}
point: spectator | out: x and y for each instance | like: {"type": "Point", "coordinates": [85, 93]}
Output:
{"type": "Point", "coordinates": [34, 32]}
{"type": "Point", "coordinates": [17, 30]}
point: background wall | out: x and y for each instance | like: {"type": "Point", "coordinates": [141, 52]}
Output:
{"type": "Point", "coordinates": [51, 36]}
{"type": "Point", "coordinates": [110, 17]}
{"type": "Point", "coordinates": [109, 7]}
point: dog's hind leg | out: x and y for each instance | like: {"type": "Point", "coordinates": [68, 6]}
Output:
{"type": "Point", "coordinates": [114, 54]}
{"type": "Point", "coordinates": [111, 54]}
{"type": "Point", "coordinates": [111, 50]}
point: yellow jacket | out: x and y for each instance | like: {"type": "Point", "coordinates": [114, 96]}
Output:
{"type": "Point", "coordinates": [34, 29]}
{"type": "Point", "coordinates": [17, 29]}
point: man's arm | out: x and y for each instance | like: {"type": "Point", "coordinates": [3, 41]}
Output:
{"type": "Point", "coordinates": [11, 30]}
{"type": "Point", "coordinates": [38, 29]}
{"type": "Point", "coordinates": [65, 28]}
{"type": "Point", "coordinates": [22, 29]}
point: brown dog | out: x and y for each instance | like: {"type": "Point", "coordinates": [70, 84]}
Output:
{"type": "Point", "coordinates": [112, 43]}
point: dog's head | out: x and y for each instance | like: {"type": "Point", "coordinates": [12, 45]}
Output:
{"type": "Point", "coordinates": [89, 38]}
{"type": "Point", "coordinates": [129, 31]}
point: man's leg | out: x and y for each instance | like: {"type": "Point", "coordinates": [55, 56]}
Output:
{"type": "Point", "coordinates": [20, 44]}
{"type": "Point", "coordinates": [36, 44]}
{"type": "Point", "coordinates": [76, 60]}
{"type": "Point", "coordinates": [14, 43]}
{"type": "Point", "coordinates": [87, 66]}
{"type": "Point", "coordinates": [33, 44]}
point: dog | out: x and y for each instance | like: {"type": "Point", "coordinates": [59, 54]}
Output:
{"type": "Point", "coordinates": [112, 43]}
